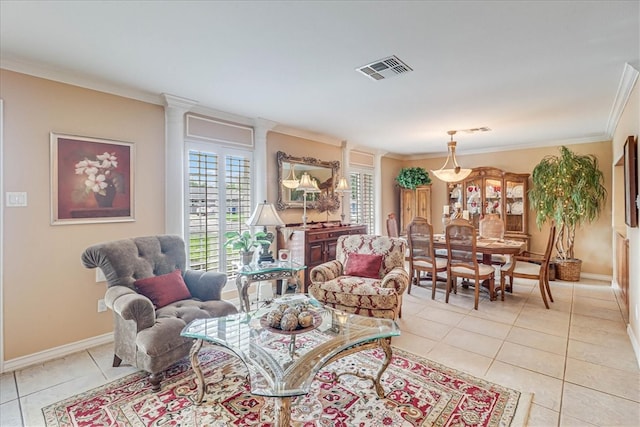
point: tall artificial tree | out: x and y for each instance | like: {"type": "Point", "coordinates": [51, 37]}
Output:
{"type": "Point", "coordinates": [569, 190]}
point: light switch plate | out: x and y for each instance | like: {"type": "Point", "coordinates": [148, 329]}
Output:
{"type": "Point", "coordinates": [16, 199]}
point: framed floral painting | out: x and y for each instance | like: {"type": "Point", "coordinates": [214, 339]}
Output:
{"type": "Point", "coordinates": [91, 180]}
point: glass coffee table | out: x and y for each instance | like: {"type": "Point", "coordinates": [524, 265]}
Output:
{"type": "Point", "coordinates": [283, 364]}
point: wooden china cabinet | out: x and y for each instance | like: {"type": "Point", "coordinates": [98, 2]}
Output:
{"type": "Point", "coordinates": [492, 190]}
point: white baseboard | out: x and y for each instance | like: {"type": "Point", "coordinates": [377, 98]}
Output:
{"type": "Point", "coordinates": [634, 343]}
{"type": "Point", "coordinates": [55, 353]}
{"type": "Point", "coordinates": [601, 277]}
{"type": "Point", "coordinates": [64, 350]}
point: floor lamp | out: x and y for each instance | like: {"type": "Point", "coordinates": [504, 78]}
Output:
{"type": "Point", "coordinates": [306, 186]}
{"type": "Point", "coordinates": [342, 187]}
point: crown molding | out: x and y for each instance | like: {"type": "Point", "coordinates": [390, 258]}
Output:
{"type": "Point", "coordinates": [267, 125]}
{"type": "Point", "coordinates": [77, 79]}
{"type": "Point", "coordinates": [625, 87]}
{"type": "Point", "coordinates": [203, 110]}
{"type": "Point", "coordinates": [177, 102]}
{"type": "Point", "coordinates": [307, 134]}
{"type": "Point", "coordinates": [541, 144]}
{"type": "Point", "coordinates": [397, 156]}
{"type": "Point", "coordinates": [627, 81]}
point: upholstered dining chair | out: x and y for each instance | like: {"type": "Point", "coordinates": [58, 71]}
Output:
{"type": "Point", "coordinates": [492, 227]}
{"type": "Point", "coordinates": [422, 254]}
{"type": "Point", "coordinates": [392, 225]}
{"type": "Point", "coordinates": [153, 297]}
{"type": "Point", "coordinates": [462, 258]}
{"type": "Point", "coordinates": [367, 277]}
{"type": "Point", "coordinates": [531, 265]}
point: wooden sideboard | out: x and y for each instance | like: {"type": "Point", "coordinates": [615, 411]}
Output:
{"type": "Point", "coordinates": [315, 244]}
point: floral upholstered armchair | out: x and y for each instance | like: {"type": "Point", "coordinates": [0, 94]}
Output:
{"type": "Point", "coordinates": [367, 277]}
{"type": "Point", "coordinates": [153, 297]}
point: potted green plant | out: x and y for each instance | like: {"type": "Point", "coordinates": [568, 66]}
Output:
{"type": "Point", "coordinates": [412, 177]}
{"type": "Point", "coordinates": [246, 243]}
{"type": "Point", "coordinates": [568, 189]}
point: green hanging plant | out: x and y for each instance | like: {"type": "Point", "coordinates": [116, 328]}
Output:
{"type": "Point", "coordinates": [412, 177]}
{"type": "Point", "coordinates": [568, 189]}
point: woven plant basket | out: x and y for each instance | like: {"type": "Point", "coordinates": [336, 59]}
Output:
{"type": "Point", "coordinates": [568, 269]}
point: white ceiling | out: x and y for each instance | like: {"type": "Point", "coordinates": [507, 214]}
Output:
{"type": "Point", "coordinates": [534, 72]}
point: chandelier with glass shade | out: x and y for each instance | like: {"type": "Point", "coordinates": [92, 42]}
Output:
{"type": "Point", "coordinates": [454, 173]}
{"type": "Point", "coordinates": [291, 181]}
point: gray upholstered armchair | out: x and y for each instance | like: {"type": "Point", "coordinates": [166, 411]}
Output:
{"type": "Point", "coordinates": [147, 330]}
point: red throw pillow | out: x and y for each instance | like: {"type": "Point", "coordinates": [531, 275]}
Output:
{"type": "Point", "coordinates": [364, 265]}
{"type": "Point", "coordinates": [163, 290]}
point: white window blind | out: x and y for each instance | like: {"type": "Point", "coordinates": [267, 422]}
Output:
{"type": "Point", "coordinates": [219, 192]}
{"type": "Point", "coordinates": [362, 203]}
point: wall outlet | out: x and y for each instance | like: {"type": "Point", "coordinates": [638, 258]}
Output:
{"type": "Point", "coordinates": [100, 277]}
{"type": "Point", "coordinates": [101, 306]}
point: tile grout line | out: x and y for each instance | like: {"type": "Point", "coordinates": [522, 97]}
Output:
{"type": "Point", "coordinates": [566, 353]}
{"type": "Point", "coordinates": [95, 362]}
{"type": "Point", "coordinates": [18, 400]}
{"type": "Point", "coordinates": [504, 340]}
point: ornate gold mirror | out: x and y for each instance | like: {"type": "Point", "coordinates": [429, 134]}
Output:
{"type": "Point", "coordinates": [322, 173]}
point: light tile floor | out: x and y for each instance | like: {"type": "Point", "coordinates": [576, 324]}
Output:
{"type": "Point", "coordinates": [576, 357]}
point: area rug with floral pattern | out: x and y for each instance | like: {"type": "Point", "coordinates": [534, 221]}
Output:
{"type": "Point", "coordinates": [419, 393]}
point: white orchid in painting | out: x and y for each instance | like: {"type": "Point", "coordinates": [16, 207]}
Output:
{"type": "Point", "coordinates": [98, 172]}
{"type": "Point", "coordinates": [109, 161]}
{"type": "Point", "coordinates": [96, 183]}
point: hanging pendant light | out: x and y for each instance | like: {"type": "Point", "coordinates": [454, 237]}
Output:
{"type": "Point", "coordinates": [456, 173]}
{"type": "Point", "coordinates": [291, 181]}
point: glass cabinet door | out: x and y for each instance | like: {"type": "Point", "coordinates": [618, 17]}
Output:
{"type": "Point", "coordinates": [473, 200]}
{"type": "Point", "coordinates": [515, 206]}
{"type": "Point", "coordinates": [455, 196]}
{"type": "Point", "coordinates": [492, 191]}
{"type": "Point", "coordinates": [493, 196]}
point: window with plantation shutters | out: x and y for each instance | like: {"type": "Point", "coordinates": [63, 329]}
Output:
{"type": "Point", "coordinates": [362, 202]}
{"type": "Point", "coordinates": [219, 193]}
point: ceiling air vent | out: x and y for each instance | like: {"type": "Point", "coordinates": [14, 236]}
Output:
{"type": "Point", "coordinates": [384, 68]}
{"type": "Point", "coordinates": [474, 130]}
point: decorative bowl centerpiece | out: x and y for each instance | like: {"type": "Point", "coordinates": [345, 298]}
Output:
{"type": "Point", "coordinates": [290, 319]}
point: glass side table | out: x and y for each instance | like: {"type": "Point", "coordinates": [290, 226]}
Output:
{"type": "Point", "coordinates": [280, 271]}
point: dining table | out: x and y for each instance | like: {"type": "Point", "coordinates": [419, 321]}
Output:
{"type": "Point", "coordinates": [487, 247]}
